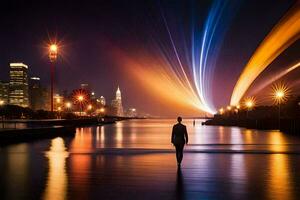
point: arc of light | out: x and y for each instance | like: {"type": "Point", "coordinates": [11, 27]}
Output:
{"type": "Point", "coordinates": [176, 54]}
{"type": "Point", "coordinates": [286, 32]}
{"type": "Point", "coordinates": [204, 57]}
{"type": "Point", "coordinates": [277, 77]}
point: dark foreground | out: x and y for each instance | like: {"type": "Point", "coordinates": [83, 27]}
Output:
{"type": "Point", "coordinates": [134, 160]}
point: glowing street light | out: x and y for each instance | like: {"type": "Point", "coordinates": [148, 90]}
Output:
{"type": "Point", "coordinates": [90, 107]}
{"type": "Point", "coordinates": [1, 102]}
{"type": "Point", "coordinates": [229, 108]}
{"type": "Point", "coordinates": [80, 98]}
{"type": "Point", "coordinates": [249, 104]}
{"type": "Point", "coordinates": [53, 49]}
{"type": "Point", "coordinates": [68, 105]}
{"type": "Point", "coordinates": [221, 111]}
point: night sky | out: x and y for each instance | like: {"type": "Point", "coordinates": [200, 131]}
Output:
{"type": "Point", "coordinates": [96, 35]}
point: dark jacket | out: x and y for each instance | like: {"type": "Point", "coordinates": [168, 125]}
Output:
{"type": "Point", "coordinates": [179, 134]}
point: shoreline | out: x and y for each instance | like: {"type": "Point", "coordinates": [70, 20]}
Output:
{"type": "Point", "coordinates": [289, 126]}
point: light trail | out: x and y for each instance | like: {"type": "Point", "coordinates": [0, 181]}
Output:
{"type": "Point", "coordinates": [286, 32]}
{"type": "Point", "coordinates": [273, 79]}
{"type": "Point", "coordinates": [205, 53]}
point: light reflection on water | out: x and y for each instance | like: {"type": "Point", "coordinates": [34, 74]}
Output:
{"type": "Point", "coordinates": [134, 160]}
{"type": "Point", "coordinates": [56, 186]}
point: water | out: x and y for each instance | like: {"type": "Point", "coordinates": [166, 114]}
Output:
{"type": "Point", "coordinates": [134, 160]}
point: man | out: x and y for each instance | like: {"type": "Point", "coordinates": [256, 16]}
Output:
{"type": "Point", "coordinates": [178, 139]}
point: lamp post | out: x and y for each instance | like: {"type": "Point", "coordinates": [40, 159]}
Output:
{"type": "Point", "coordinates": [279, 96]}
{"type": "Point", "coordinates": [249, 104]}
{"type": "Point", "coordinates": [80, 99]}
{"type": "Point", "coordinates": [68, 106]}
{"type": "Point", "coordinates": [52, 56]}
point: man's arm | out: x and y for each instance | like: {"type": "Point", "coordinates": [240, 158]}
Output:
{"type": "Point", "coordinates": [172, 136]}
{"type": "Point", "coordinates": [186, 135]}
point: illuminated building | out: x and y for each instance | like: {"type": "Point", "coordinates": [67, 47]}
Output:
{"type": "Point", "coordinates": [85, 86]}
{"type": "Point", "coordinates": [131, 112]}
{"type": "Point", "coordinates": [18, 85]}
{"type": "Point", "coordinates": [58, 102]}
{"type": "Point", "coordinates": [102, 101]}
{"type": "Point", "coordinates": [117, 104]}
{"type": "Point", "coordinates": [4, 91]}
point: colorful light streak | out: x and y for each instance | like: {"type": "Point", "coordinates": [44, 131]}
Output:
{"type": "Point", "coordinates": [276, 77]}
{"type": "Point", "coordinates": [286, 32]}
{"type": "Point", "coordinates": [205, 55]}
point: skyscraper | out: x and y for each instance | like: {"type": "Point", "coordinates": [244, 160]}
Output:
{"type": "Point", "coordinates": [18, 85]}
{"type": "Point", "coordinates": [4, 91]}
{"type": "Point", "coordinates": [117, 104]}
{"type": "Point", "coordinates": [38, 96]}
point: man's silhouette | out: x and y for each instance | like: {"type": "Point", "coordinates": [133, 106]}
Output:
{"type": "Point", "coordinates": [179, 138]}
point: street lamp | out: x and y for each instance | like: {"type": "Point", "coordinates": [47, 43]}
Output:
{"type": "Point", "coordinates": [249, 104]}
{"type": "Point", "coordinates": [221, 111]}
{"type": "Point", "coordinates": [80, 99]}
{"type": "Point", "coordinates": [53, 49]}
{"type": "Point", "coordinates": [68, 105]}
{"type": "Point", "coordinates": [90, 109]}
{"type": "Point", "coordinates": [280, 93]}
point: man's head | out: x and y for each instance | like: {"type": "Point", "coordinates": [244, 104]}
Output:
{"type": "Point", "coordinates": [179, 119]}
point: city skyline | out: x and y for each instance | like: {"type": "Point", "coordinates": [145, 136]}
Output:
{"type": "Point", "coordinates": [109, 55]}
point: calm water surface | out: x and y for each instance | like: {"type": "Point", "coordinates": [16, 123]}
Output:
{"type": "Point", "coordinates": [134, 160]}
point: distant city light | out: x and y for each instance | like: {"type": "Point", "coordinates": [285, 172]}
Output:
{"type": "Point", "coordinates": [228, 107]}
{"type": "Point", "coordinates": [221, 111]}
{"type": "Point", "coordinates": [1, 102]}
{"type": "Point", "coordinates": [68, 105]}
{"type": "Point", "coordinates": [102, 110]}
{"type": "Point", "coordinates": [90, 107]}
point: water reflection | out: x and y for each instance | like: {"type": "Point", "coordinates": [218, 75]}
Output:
{"type": "Point", "coordinates": [56, 187]}
{"type": "Point", "coordinates": [280, 179]}
{"type": "Point", "coordinates": [17, 170]}
{"type": "Point", "coordinates": [179, 185]}
{"type": "Point", "coordinates": [119, 134]}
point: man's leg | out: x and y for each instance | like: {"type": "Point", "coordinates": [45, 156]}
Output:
{"type": "Point", "coordinates": [177, 152]}
{"type": "Point", "coordinates": [180, 152]}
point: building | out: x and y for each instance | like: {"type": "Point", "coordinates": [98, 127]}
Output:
{"type": "Point", "coordinates": [18, 85]}
{"type": "Point", "coordinates": [38, 96]}
{"type": "Point", "coordinates": [131, 112]}
{"type": "Point", "coordinates": [58, 102]}
{"type": "Point", "coordinates": [102, 101]}
{"type": "Point", "coordinates": [117, 104]}
{"type": "Point", "coordinates": [4, 92]}
{"type": "Point", "coordinates": [85, 86]}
